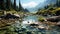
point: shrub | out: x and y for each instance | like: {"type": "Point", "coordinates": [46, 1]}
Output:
{"type": "Point", "coordinates": [41, 18]}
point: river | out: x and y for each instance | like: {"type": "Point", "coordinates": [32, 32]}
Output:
{"type": "Point", "coordinates": [24, 25]}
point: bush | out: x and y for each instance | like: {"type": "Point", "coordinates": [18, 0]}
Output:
{"type": "Point", "coordinates": [41, 18]}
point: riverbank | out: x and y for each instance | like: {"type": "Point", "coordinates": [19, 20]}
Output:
{"type": "Point", "coordinates": [25, 26]}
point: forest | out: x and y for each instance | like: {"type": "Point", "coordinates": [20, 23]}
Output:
{"type": "Point", "coordinates": [18, 19]}
{"type": "Point", "coordinates": [8, 5]}
{"type": "Point", "coordinates": [50, 9]}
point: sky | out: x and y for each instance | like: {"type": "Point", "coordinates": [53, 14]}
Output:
{"type": "Point", "coordinates": [30, 3]}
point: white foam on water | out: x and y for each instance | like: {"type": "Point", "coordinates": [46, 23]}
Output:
{"type": "Point", "coordinates": [28, 21]}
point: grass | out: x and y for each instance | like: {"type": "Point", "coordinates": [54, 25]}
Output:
{"type": "Point", "coordinates": [41, 18]}
{"type": "Point", "coordinates": [50, 10]}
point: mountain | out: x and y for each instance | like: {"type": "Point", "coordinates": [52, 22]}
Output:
{"type": "Point", "coordinates": [31, 10]}
{"type": "Point", "coordinates": [41, 5]}
{"type": "Point", "coordinates": [26, 10]}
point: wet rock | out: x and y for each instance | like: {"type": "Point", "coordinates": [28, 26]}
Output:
{"type": "Point", "coordinates": [28, 32]}
{"type": "Point", "coordinates": [58, 24]}
{"type": "Point", "coordinates": [34, 25]}
{"type": "Point", "coordinates": [54, 19]}
{"type": "Point", "coordinates": [40, 30]}
{"type": "Point", "coordinates": [58, 12]}
{"type": "Point", "coordinates": [4, 23]}
{"type": "Point", "coordinates": [20, 30]}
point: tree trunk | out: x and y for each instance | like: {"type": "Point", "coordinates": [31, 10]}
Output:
{"type": "Point", "coordinates": [20, 7]}
{"type": "Point", "coordinates": [8, 4]}
{"type": "Point", "coordinates": [15, 4]}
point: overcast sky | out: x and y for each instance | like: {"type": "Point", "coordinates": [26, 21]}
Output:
{"type": "Point", "coordinates": [30, 3]}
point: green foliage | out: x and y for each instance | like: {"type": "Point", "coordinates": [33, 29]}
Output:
{"type": "Point", "coordinates": [8, 5]}
{"type": "Point", "coordinates": [49, 10]}
{"type": "Point", "coordinates": [41, 18]}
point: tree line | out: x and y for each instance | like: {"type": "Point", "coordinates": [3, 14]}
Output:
{"type": "Point", "coordinates": [57, 4]}
{"type": "Point", "coordinates": [9, 5]}
{"type": "Point", "coordinates": [50, 9]}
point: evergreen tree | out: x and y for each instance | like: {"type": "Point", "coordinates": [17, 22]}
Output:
{"type": "Point", "coordinates": [2, 3]}
{"type": "Point", "coordinates": [20, 7]}
{"type": "Point", "coordinates": [8, 4]}
{"type": "Point", "coordinates": [14, 4]}
{"type": "Point", "coordinates": [58, 3]}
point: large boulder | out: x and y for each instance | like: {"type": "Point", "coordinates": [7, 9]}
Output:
{"type": "Point", "coordinates": [58, 12]}
{"type": "Point", "coordinates": [9, 16]}
{"type": "Point", "coordinates": [34, 25]}
{"type": "Point", "coordinates": [54, 19]}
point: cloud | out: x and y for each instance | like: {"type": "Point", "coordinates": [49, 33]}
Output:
{"type": "Point", "coordinates": [30, 4]}
{"type": "Point", "coordinates": [41, 1]}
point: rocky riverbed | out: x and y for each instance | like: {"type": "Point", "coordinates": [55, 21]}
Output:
{"type": "Point", "coordinates": [30, 25]}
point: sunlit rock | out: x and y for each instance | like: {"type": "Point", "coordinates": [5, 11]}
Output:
{"type": "Point", "coordinates": [9, 16]}
{"type": "Point", "coordinates": [17, 15]}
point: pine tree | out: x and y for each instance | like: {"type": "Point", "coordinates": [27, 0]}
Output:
{"type": "Point", "coordinates": [58, 3]}
{"type": "Point", "coordinates": [20, 7]}
{"type": "Point", "coordinates": [2, 7]}
{"type": "Point", "coordinates": [8, 4]}
{"type": "Point", "coordinates": [14, 4]}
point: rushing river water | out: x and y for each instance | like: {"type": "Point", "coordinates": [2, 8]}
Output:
{"type": "Point", "coordinates": [34, 19]}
